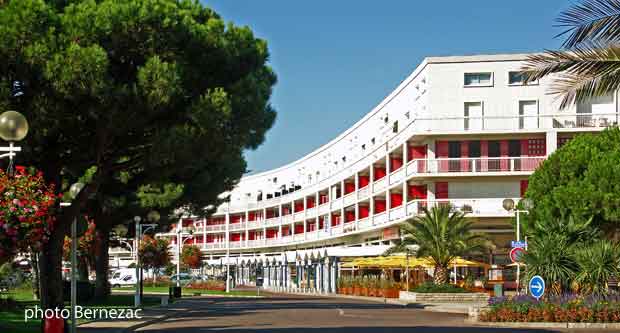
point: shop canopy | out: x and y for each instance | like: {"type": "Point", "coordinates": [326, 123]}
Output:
{"type": "Point", "coordinates": [400, 261]}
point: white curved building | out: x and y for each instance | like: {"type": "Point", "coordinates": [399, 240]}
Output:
{"type": "Point", "coordinates": [463, 130]}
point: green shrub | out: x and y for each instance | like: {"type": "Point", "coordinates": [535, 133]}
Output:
{"type": "Point", "coordinates": [429, 287]}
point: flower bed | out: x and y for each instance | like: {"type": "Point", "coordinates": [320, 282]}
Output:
{"type": "Point", "coordinates": [565, 308]}
{"type": "Point", "coordinates": [207, 285]}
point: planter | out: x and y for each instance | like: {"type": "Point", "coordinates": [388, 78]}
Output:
{"type": "Point", "coordinates": [390, 293]}
{"type": "Point", "coordinates": [372, 292]}
{"type": "Point", "coordinates": [357, 291]}
{"type": "Point", "coordinates": [443, 297]}
{"type": "Point", "coordinates": [364, 291]}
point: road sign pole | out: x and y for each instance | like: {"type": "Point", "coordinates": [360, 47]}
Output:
{"type": "Point", "coordinates": [518, 263]}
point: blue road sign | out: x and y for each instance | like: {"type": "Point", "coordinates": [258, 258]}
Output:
{"type": "Point", "coordinates": [520, 244]}
{"type": "Point", "coordinates": [537, 286]}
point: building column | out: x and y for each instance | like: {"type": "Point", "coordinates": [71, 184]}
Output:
{"type": "Point", "coordinates": [552, 142]}
{"type": "Point", "coordinates": [371, 189]}
{"type": "Point", "coordinates": [204, 233]}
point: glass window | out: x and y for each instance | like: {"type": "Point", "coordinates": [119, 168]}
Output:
{"type": "Point", "coordinates": [478, 79]}
{"type": "Point", "coordinates": [517, 78]}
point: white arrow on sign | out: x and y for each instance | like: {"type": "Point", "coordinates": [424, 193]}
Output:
{"type": "Point", "coordinates": [537, 286]}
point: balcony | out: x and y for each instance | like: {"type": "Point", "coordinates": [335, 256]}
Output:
{"type": "Point", "coordinates": [479, 165]}
{"type": "Point", "coordinates": [216, 227]}
{"type": "Point", "coordinates": [349, 199]}
{"type": "Point", "coordinates": [363, 193]}
{"type": "Point", "coordinates": [397, 176]}
{"type": "Point", "coordinates": [380, 184]}
{"type": "Point", "coordinates": [299, 216]}
{"type": "Point", "coordinates": [272, 221]}
{"type": "Point", "coordinates": [323, 208]}
{"type": "Point", "coordinates": [237, 226]}
{"type": "Point", "coordinates": [254, 225]}
{"type": "Point", "coordinates": [559, 120]}
{"type": "Point", "coordinates": [485, 207]}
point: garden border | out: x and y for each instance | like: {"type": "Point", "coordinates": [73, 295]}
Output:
{"type": "Point", "coordinates": [543, 324]}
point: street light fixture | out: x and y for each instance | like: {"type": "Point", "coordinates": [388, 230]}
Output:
{"type": "Point", "coordinates": [152, 216]}
{"type": "Point", "coordinates": [509, 205]}
{"type": "Point", "coordinates": [13, 128]}
{"type": "Point", "coordinates": [74, 191]}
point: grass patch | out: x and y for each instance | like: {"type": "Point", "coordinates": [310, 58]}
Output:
{"type": "Point", "coordinates": [13, 321]}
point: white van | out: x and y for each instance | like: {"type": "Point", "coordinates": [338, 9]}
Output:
{"type": "Point", "coordinates": [123, 277]}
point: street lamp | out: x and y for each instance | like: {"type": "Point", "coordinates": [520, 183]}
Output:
{"type": "Point", "coordinates": [152, 216]}
{"type": "Point", "coordinates": [13, 128]}
{"type": "Point", "coordinates": [225, 196]}
{"type": "Point", "coordinates": [509, 205]}
{"type": "Point", "coordinates": [74, 191]}
{"type": "Point", "coordinates": [180, 242]}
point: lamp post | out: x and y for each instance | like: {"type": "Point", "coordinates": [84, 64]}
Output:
{"type": "Point", "coordinates": [13, 128]}
{"type": "Point", "coordinates": [180, 242]}
{"type": "Point", "coordinates": [74, 191]}
{"type": "Point", "coordinates": [152, 216]}
{"type": "Point", "coordinates": [509, 205]}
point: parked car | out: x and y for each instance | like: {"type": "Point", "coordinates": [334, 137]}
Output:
{"type": "Point", "coordinates": [185, 278]}
{"type": "Point", "coordinates": [123, 277]}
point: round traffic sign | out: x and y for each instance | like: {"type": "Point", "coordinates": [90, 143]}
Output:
{"type": "Point", "coordinates": [516, 254]}
{"type": "Point", "coordinates": [537, 286]}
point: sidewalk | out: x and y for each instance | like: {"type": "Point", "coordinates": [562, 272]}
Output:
{"type": "Point", "coordinates": [459, 308]}
{"type": "Point", "coordinates": [149, 316]}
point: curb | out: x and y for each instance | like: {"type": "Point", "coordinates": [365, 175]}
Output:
{"type": "Point", "coordinates": [545, 325]}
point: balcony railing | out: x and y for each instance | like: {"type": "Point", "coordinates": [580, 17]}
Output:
{"type": "Point", "coordinates": [380, 184]}
{"type": "Point", "coordinates": [272, 221]}
{"type": "Point", "coordinates": [474, 165]}
{"type": "Point", "coordinates": [349, 199]}
{"type": "Point", "coordinates": [216, 227]}
{"type": "Point", "coordinates": [516, 122]}
{"type": "Point", "coordinates": [477, 207]}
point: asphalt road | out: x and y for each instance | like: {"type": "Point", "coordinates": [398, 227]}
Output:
{"type": "Point", "coordinates": [299, 314]}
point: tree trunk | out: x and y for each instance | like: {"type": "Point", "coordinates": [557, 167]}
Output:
{"type": "Point", "coordinates": [34, 262]}
{"type": "Point", "coordinates": [102, 285]}
{"type": "Point", "coordinates": [50, 270]}
{"type": "Point", "coordinates": [441, 275]}
{"type": "Point", "coordinates": [82, 269]}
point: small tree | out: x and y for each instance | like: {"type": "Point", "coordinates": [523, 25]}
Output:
{"type": "Point", "coordinates": [443, 235]}
{"type": "Point", "coordinates": [580, 180]}
{"type": "Point", "coordinates": [154, 253]}
{"type": "Point", "coordinates": [191, 256]}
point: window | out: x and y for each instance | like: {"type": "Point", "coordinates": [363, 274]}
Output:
{"type": "Point", "coordinates": [478, 79]}
{"type": "Point", "coordinates": [518, 79]}
{"type": "Point", "coordinates": [395, 127]}
{"type": "Point", "coordinates": [473, 116]}
{"type": "Point", "coordinates": [474, 149]}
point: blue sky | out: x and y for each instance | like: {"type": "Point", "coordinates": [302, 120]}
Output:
{"type": "Point", "coordinates": [336, 60]}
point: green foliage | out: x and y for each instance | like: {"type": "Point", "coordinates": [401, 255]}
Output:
{"type": "Point", "coordinates": [597, 264]}
{"type": "Point", "coordinates": [442, 234]}
{"type": "Point", "coordinates": [588, 66]}
{"type": "Point", "coordinates": [550, 257]}
{"type": "Point", "coordinates": [429, 287]}
{"type": "Point", "coordinates": [580, 180]}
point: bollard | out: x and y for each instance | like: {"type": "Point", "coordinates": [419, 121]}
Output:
{"type": "Point", "coordinates": [53, 325]}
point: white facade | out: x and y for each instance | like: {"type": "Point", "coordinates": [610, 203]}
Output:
{"type": "Point", "coordinates": [476, 131]}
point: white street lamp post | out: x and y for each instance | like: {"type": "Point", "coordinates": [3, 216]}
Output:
{"type": "Point", "coordinates": [152, 216]}
{"type": "Point", "coordinates": [180, 242]}
{"type": "Point", "coordinates": [509, 205]}
{"type": "Point", "coordinates": [74, 191]}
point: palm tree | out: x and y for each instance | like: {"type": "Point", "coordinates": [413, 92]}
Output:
{"type": "Point", "coordinates": [598, 263]}
{"type": "Point", "coordinates": [442, 234]}
{"type": "Point", "coordinates": [588, 66]}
